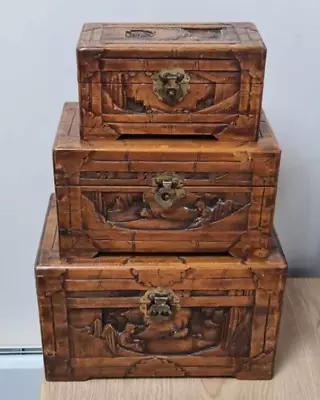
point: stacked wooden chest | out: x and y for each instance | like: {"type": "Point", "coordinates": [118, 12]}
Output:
{"type": "Point", "coordinates": [158, 255]}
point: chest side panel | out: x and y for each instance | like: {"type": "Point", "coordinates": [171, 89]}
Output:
{"type": "Point", "coordinates": [226, 219]}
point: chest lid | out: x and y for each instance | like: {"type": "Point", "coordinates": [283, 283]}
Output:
{"type": "Point", "coordinates": [221, 47]}
{"type": "Point", "coordinates": [160, 40]}
{"type": "Point", "coordinates": [224, 48]}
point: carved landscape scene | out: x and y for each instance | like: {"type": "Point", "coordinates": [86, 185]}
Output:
{"type": "Point", "coordinates": [121, 94]}
{"type": "Point", "coordinates": [140, 211]}
{"type": "Point", "coordinates": [222, 331]}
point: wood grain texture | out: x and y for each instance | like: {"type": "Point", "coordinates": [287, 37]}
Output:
{"type": "Point", "coordinates": [107, 193]}
{"type": "Point", "coordinates": [296, 372]}
{"type": "Point", "coordinates": [119, 66]}
{"type": "Point", "coordinates": [160, 315]}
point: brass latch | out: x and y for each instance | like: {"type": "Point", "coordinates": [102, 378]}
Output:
{"type": "Point", "coordinates": [171, 85]}
{"type": "Point", "coordinates": [169, 189]}
{"type": "Point", "coordinates": [159, 304]}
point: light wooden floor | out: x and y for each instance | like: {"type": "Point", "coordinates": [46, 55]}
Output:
{"type": "Point", "coordinates": [297, 368]}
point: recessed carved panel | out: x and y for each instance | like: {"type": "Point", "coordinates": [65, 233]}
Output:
{"type": "Point", "coordinates": [139, 34]}
{"type": "Point", "coordinates": [121, 95]}
{"type": "Point", "coordinates": [169, 33]}
{"type": "Point", "coordinates": [174, 33]}
{"type": "Point", "coordinates": [123, 332]}
{"type": "Point", "coordinates": [141, 211]}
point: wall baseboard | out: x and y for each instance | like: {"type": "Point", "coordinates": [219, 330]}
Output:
{"type": "Point", "coordinates": [21, 358]}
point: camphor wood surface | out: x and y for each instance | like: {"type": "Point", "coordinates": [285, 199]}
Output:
{"type": "Point", "coordinates": [106, 193]}
{"type": "Point", "coordinates": [296, 373]}
{"type": "Point", "coordinates": [118, 65]}
{"type": "Point", "coordinates": [97, 321]}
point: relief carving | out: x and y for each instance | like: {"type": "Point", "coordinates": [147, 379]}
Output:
{"type": "Point", "coordinates": [141, 210]}
{"type": "Point", "coordinates": [204, 33]}
{"type": "Point", "coordinates": [139, 34]}
{"type": "Point", "coordinates": [189, 331]}
{"type": "Point", "coordinates": [175, 34]}
{"type": "Point", "coordinates": [239, 330]}
{"type": "Point", "coordinates": [136, 106]}
{"type": "Point", "coordinates": [124, 332]}
{"type": "Point", "coordinates": [207, 101]}
{"type": "Point", "coordinates": [157, 365]}
{"type": "Point", "coordinates": [120, 96]}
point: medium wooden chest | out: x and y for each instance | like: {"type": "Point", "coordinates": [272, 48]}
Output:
{"type": "Point", "coordinates": [171, 79]}
{"type": "Point", "coordinates": [156, 316]}
{"type": "Point", "coordinates": [154, 195]}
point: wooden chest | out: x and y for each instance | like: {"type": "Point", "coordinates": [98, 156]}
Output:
{"type": "Point", "coordinates": [161, 315]}
{"type": "Point", "coordinates": [171, 79]}
{"type": "Point", "coordinates": [139, 195]}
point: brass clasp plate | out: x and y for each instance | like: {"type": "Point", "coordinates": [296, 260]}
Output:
{"type": "Point", "coordinates": [159, 304]}
{"type": "Point", "coordinates": [171, 85]}
{"type": "Point", "coordinates": [169, 189]}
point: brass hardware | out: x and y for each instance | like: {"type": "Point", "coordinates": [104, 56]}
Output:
{"type": "Point", "coordinates": [171, 85]}
{"type": "Point", "coordinates": [159, 304]}
{"type": "Point", "coordinates": [169, 189]}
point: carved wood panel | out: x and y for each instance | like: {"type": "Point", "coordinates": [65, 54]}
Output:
{"type": "Point", "coordinates": [141, 211]}
{"type": "Point", "coordinates": [167, 33]}
{"type": "Point", "coordinates": [212, 109]}
{"type": "Point", "coordinates": [97, 219]}
{"type": "Point", "coordinates": [120, 97]}
{"type": "Point", "coordinates": [125, 332]}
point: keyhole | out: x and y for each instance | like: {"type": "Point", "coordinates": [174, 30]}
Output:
{"type": "Point", "coordinates": [165, 196]}
{"type": "Point", "coordinates": [171, 92]}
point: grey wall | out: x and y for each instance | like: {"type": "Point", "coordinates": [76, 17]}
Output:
{"type": "Point", "coordinates": [37, 42]}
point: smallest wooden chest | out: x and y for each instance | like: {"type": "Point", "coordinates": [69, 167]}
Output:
{"type": "Point", "coordinates": [170, 79]}
{"type": "Point", "coordinates": [157, 316]}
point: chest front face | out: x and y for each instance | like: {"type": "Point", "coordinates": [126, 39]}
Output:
{"type": "Point", "coordinates": [201, 80]}
{"type": "Point", "coordinates": [154, 196]}
{"type": "Point", "coordinates": [196, 324]}
{"type": "Point", "coordinates": [140, 316]}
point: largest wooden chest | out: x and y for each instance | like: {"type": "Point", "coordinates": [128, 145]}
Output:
{"type": "Point", "coordinates": [142, 195]}
{"type": "Point", "coordinates": [140, 316]}
{"type": "Point", "coordinates": [171, 79]}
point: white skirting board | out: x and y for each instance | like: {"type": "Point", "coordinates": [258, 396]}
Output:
{"type": "Point", "coordinates": [20, 361]}
{"type": "Point", "coordinates": [20, 376]}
